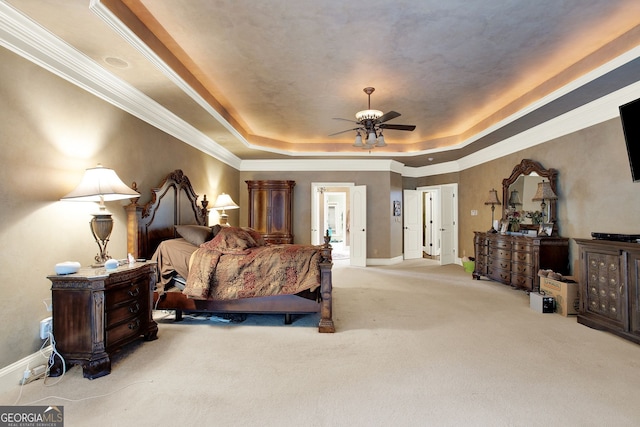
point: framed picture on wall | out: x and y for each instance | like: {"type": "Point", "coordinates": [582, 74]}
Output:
{"type": "Point", "coordinates": [397, 209]}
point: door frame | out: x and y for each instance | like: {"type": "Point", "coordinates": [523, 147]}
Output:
{"type": "Point", "coordinates": [437, 192]}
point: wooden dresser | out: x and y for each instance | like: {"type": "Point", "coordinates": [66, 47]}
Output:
{"type": "Point", "coordinates": [270, 209]}
{"type": "Point", "coordinates": [515, 260]}
{"type": "Point", "coordinates": [97, 311]}
{"type": "Point", "coordinates": [610, 287]}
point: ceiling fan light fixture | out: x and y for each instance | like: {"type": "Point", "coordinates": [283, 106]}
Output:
{"type": "Point", "coordinates": [371, 140]}
{"type": "Point", "coordinates": [368, 115]}
{"type": "Point", "coordinates": [381, 141]}
{"type": "Point", "coordinates": [358, 142]}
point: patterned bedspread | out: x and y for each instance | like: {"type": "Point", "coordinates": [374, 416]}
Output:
{"type": "Point", "coordinates": [237, 264]}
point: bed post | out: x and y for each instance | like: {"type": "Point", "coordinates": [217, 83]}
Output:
{"type": "Point", "coordinates": [326, 315]}
{"type": "Point", "coordinates": [134, 215]}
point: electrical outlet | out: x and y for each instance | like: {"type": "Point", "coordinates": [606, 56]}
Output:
{"type": "Point", "coordinates": [46, 327]}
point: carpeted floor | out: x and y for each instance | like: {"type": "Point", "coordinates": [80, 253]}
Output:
{"type": "Point", "coordinates": [416, 344]}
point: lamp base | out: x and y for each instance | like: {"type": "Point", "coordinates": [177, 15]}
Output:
{"type": "Point", "coordinates": [101, 227]}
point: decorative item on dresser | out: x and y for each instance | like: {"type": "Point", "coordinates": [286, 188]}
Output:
{"type": "Point", "coordinates": [96, 311]}
{"type": "Point", "coordinates": [271, 209]}
{"type": "Point", "coordinates": [610, 287]}
{"type": "Point", "coordinates": [515, 257]}
{"type": "Point", "coordinates": [156, 230]}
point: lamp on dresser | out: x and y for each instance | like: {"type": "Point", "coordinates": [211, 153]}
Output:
{"type": "Point", "coordinates": [101, 185]}
{"type": "Point", "coordinates": [514, 199]}
{"type": "Point", "coordinates": [224, 202]}
{"type": "Point", "coordinates": [545, 192]}
{"type": "Point", "coordinates": [493, 201]}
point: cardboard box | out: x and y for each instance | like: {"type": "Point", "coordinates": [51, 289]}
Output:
{"type": "Point", "coordinates": [566, 294]}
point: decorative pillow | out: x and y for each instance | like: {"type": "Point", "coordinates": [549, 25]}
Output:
{"type": "Point", "coordinates": [256, 236]}
{"type": "Point", "coordinates": [215, 229]}
{"type": "Point", "coordinates": [194, 234]}
{"type": "Point", "coordinates": [230, 240]}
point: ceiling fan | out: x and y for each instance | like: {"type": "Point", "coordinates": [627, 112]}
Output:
{"type": "Point", "coordinates": [372, 123]}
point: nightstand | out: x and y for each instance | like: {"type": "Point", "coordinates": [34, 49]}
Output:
{"type": "Point", "coordinates": [97, 311]}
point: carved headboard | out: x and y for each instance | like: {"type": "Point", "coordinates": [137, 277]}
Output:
{"type": "Point", "coordinates": [172, 203]}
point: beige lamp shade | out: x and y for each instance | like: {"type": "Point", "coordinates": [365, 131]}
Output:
{"type": "Point", "coordinates": [101, 184]}
{"type": "Point", "coordinates": [493, 198]}
{"type": "Point", "coordinates": [224, 202]}
{"type": "Point", "coordinates": [545, 192]}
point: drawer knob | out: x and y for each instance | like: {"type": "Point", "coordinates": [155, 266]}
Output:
{"type": "Point", "coordinates": [134, 292]}
{"type": "Point", "coordinates": [134, 308]}
{"type": "Point", "coordinates": [135, 324]}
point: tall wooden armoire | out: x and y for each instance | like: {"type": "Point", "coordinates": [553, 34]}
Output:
{"type": "Point", "coordinates": [271, 208]}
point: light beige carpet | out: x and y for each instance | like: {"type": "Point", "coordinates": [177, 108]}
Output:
{"type": "Point", "coordinates": [416, 344]}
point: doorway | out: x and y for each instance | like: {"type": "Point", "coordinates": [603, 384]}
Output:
{"type": "Point", "coordinates": [339, 208]}
{"type": "Point", "coordinates": [431, 223]}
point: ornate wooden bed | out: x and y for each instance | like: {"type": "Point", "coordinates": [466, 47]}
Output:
{"type": "Point", "coordinates": [174, 202]}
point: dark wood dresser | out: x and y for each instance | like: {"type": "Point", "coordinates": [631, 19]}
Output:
{"type": "Point", "coordinates": [270, 209]}
{"type": "Point", "coordinates": [610, 287]}
{"type": "Point", "coordinates": [515, 260]}
{"type": "Point", "coordinates": [97, 311]}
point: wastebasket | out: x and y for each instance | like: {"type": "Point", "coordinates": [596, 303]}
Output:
{"type": "Point", "coordinates": [469, 266]}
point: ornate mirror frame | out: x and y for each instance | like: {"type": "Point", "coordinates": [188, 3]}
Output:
{"type": "Point", "coordinates": [526, 167]}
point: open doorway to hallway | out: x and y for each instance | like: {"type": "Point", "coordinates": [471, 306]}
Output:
{"type": "Point", "coordinates": [331, 212]}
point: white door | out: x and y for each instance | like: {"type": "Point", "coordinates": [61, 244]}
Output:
{"type": "Point", "coordinates": [429, 234]}
{"type": "Point", "coordinates": [316, 233]}
{"type": "Point", "coordinates": [412, 224]}
{"type": "Point", "coordinates": [447, 225]}
{"type": "Point", "coordinates": [358, 225]}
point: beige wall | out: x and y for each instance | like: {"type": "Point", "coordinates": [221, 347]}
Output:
{"type": "Point", "coordinates": [384, 236]}
{"type": "Point", "coordinates": [51, 131]}
{"type": "Point", "coordinates": [595, 189]}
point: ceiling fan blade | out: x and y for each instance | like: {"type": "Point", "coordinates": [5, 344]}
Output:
{"type": "Point", "coordinates": [388, 116]}
{"type": "Point", "coordinates": [346, 120]}
{"type": "Point", "coordinates": [344, 131]}
{"type": "Point", "coordinates": [398, 127]}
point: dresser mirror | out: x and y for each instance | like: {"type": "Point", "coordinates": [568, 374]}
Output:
{"type": "Point", "coordinates": [519, 188]}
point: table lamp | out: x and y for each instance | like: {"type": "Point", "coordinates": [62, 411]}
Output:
{"type": "Point", "coordinates": [101, 185]}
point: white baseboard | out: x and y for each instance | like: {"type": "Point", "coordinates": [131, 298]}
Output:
{"type": "Point", "coordinates": [11, 375]}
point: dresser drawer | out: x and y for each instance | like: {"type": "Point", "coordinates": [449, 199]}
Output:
{"type": "Point", "coordinates": [500, 254]}
{"type": "Point", "coordinates": [522, 257]}
{"type": "Point", "coordinates": [520, 281]}
{"type": "Point", "coordinates": [499, 275]}
{"type": "Point", "coordinates": [500, 244]}
{"type": "Point", "coordinates": [495, 263]}
{"type": "Point", "coordinates": [521, 268]}
{"type": "Point", "coordinates": [521, 246]}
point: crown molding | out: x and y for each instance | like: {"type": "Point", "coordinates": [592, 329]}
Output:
{"type": "Point", "coordinates": [25, 37]}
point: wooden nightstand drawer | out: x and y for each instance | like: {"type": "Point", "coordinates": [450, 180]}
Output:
{"type": "Point", "coordinates": [126, 292]}
{"type": "Point", "coordinates": [130, 310]}
{"type": "Point", "coordinates": [123, 332]}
